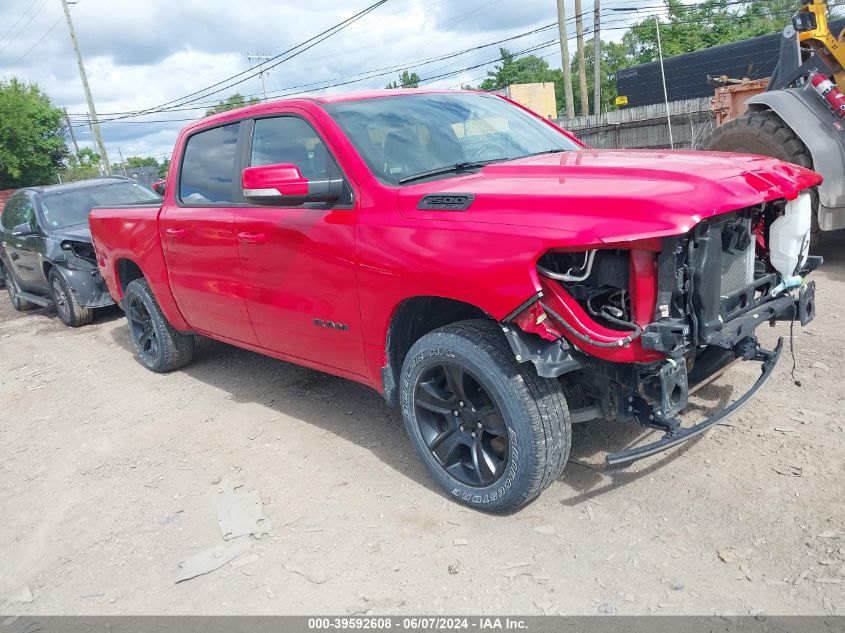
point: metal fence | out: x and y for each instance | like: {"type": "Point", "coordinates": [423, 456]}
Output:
{"type": "Point", "coordinates": [646, 127]}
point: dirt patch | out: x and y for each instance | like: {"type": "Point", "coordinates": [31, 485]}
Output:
{"type": "Point", "coordinates": [109, 473]}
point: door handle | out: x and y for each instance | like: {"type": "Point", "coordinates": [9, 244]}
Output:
{"type": "Point", "coordinates": [175, 233]}
{"type": "Point", "coordinates": [252, 238]}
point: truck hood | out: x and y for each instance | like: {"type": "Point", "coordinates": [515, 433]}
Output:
{"type": "Point", "coordinates": [79, 233]}
{"type": "Point", "coordinates": [609, 196]}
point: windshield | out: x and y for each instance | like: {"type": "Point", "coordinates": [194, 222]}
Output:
{"type": "Point", "coordinates": [69, 208]}
{"type": "Point", "coordinates": [405, 135]}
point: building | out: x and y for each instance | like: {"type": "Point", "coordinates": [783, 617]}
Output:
{"type": "Point", "coordinates": [539, 97]}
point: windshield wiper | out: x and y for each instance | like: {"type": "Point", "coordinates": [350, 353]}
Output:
{"type": "Point", "coordinates": [457, 168]}
{"type": "Point", "coordinates": [556, 150]}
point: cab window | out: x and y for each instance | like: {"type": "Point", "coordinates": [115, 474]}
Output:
{"type": "Point", "coordinates": [291, 140]}
{"type": "Point", "coordinates": [208, 166]}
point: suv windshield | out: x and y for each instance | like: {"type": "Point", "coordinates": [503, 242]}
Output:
{"type": "Point", "coordinates": [69, 208]}
{"type": "Point", "coordinates": [403, 136]}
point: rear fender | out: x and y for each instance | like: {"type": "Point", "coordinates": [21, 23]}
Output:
{"type": "Point", "coordinates": [803, 111]}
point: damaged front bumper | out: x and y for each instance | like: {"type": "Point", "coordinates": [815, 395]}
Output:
{"type": "Point", "coordinates": [675, 434]}
{"type": "Point", "coordinates": [661, 393]}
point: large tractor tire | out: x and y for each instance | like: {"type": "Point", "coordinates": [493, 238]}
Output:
{"type": "Point", "coordinates": [767, 134]}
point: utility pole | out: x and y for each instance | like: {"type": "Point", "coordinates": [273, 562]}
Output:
{"type": "Point", "coordinates": [122, 162]}
{"type": "Point", "coordinates": [564, 58]}
{"type": "Point", "coordinates": [258, 57]}
{"type": "Point", "coordinates": [72, 133]}
{"type": "Point", "coordinates": [95, 124]}
{"type": "Point", "coordinates": [663, 77]}
{"type": "Point", "coordinates": [582, 71]}
{"type": "Point", "coordinates": [597, 57]}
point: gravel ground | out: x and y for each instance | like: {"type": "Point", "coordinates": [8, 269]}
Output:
{"type": "Point", "coordinates": [109, 478]}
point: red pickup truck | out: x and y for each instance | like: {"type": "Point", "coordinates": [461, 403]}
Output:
{"type": "Point", "coordinates": [484, 270]}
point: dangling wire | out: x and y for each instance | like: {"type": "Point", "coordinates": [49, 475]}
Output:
{"type": "Point", "coordinates": [792, 343]}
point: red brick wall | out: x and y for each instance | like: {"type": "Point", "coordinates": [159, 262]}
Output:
{"type": "Point", "coordinates": [4, 195]}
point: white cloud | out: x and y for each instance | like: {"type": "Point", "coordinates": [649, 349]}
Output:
{"type": "Point", "coordinates": [141, 54]}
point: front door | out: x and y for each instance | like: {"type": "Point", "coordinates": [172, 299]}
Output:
{"type": "Point", "coordinates": [298, 262]}
{"type": "Point", "coordinates": [24, 251]}
{"type": "Point", "coordinates": [198, 237]}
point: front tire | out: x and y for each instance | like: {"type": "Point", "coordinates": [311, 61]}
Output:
{"type": "Point", "coordinates": [159, 346]}
{"type": "Point", "coordinates": [67, 306]}
{"type": "Point", "coordinates": [18, 303]}
{"type": "Point", "coordinates": [491, 432]}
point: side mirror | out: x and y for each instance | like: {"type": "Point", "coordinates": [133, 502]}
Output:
{"type": "Point", "coordinates": [284, 184]}
{"type": "Point", "coordinates": [159, 186]}
{"type": "Point", "coordinates": [22, 230]}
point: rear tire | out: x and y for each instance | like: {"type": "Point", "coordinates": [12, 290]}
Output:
{"type": "Point", "coordinates": [158, 345]}
{"type": "Point", "coordinates": [67, 306]}
{"type": "Point", "coordinates": [491, 432]}
{"type": "Point", "coordinates": [767, 134]}
{"type": "Point", "coordinates": [18, 303]}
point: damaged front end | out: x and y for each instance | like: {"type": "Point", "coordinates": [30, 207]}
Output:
{"type": "Point", "coordinates": [632, 330]}
{"type": "Point", "coordinates": [78, 265]}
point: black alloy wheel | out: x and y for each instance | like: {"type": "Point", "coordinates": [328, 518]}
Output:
{"type": "Point", "coordinates": [142, 329]}
{"type": "Point", "coordinates": [18, 303]}
{"type": "Point", "coordinates": [461, 424]}
{"type": "Point", "coordinates": [61, 300]}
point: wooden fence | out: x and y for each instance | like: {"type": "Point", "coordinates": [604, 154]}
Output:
{"type": "Point", "coordinates": [645, 127]}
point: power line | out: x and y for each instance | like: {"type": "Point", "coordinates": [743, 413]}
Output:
{"type": "Point", "coordinates": [23, 28]}
{"type": "Point", "coordinates": [20, 17]}
{"type": "Point", "coordinates": [313, 41]}
{"type": "Point", "coordinates": [37, 42]}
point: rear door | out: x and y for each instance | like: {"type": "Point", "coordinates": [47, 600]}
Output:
{"type": "Point", "coordinates": [299, 262]}
{"type": "Point", "coordinates": [198, 237]}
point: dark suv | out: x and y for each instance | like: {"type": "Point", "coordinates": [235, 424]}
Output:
{"type": "Point", "coordinates": [46, 256]}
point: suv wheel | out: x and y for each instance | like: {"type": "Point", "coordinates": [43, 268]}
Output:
{"type": "Point", "coordinates": [70, 312]}
{"type": "Point", "coordinates": [491, 432]}
{"type": "Point", "coordinates": [18, 303]}
{"type": "Point", "coordinates": [160, 347]}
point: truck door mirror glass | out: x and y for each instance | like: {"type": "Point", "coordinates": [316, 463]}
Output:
{"type": "Point", "coordinates": [284, 184]}
{"type": "Point", "coordinates": [159, 186]}
{"type": "Point", "coordinates": [22, 230]}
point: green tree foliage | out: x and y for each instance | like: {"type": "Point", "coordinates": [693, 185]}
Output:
{"type": "Point", "coordinates": [81, 166]}
{"type": "Point", "coordinates": [237, 100]}
{"type": "Point", "coordinates": [163, 168]}
{"type": "Point", "coordinates": [141, 161]}
{"type": "Point", "coordinates": [32, 144]}
{"type": "Point", "coordinates": [524, 70]}
{"type": "Point", "coordinates": [406, 80]}
{"type": "Point", "coordinates": [613, 57]}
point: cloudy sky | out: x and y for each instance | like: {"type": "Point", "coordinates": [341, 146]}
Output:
{"type": "Point", "coordinates": [139, 55]}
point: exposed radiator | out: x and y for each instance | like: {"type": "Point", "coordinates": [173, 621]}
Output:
{"type": "Point", "coordinates": [738, 246]}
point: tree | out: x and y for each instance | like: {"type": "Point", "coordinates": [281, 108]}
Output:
{"type": "Point", "coordinates": [164, 168]}
{"type": "Point", "coordinates": [524, 70]}
{"type": "Point", "coordinates": [406, 80]}
{"type": "Point", "coordinates": [141, 161]}
{"type": "Point", "coordinates": [32, 144]}
{"type": "Point", "coordinates": [613, 57]}
{"type": "Point", "coordinates": [86, 164]}
{"type": "Point", "coordinates": [237, 100]}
